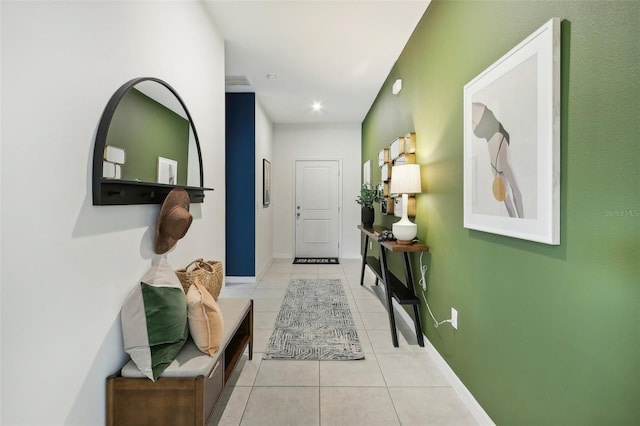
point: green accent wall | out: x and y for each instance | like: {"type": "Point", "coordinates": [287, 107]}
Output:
{"type": "Point", "coordinates": [146, 130]}
{"type": "Point", "coordinates": [547, 335]}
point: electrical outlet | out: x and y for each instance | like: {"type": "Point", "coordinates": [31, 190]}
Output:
{"type": "Point", "coordinates": [454, 318]}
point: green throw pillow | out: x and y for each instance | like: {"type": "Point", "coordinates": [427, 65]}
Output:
{"type": "Point", "coordinates": [154, 320]}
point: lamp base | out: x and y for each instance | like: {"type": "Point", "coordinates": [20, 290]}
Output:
{"type": "Point", "coordinates": [404, 242]}
{"type": "Point", "coordinates": [404, 232]}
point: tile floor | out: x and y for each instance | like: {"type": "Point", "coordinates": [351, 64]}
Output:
{"type": "Point", "coordinates": [391, 386]}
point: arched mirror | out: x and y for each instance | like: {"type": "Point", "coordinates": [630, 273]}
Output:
{"type": "Point", "coordinates": [146, 145]}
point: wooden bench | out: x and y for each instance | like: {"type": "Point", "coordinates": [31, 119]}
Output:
{"type": "Point", "coordinates": [186, 393]}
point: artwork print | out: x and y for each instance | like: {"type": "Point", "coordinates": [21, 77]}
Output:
{"type": "Point", "coordinates": [167, 171]}
{"type": "Point", "coordinates": [511, 142]}
{"type": "Point", "coordinates": [504, 117]}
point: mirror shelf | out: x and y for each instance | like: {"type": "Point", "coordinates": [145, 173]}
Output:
{"type": "Point", "coordinates": [115, 192]}
{"type": "Point", "coordinates": [146, 145]}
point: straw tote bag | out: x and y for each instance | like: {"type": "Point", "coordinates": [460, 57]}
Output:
{"type": "Point", "coordinates": [206, 272]}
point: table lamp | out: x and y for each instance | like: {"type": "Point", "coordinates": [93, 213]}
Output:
{"type": "Point", "coordinates": [405, 180]}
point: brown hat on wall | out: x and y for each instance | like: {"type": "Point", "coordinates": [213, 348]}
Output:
{"type": "Point", "coordinates": [174, 220]}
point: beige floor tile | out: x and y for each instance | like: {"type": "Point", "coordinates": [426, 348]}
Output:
{"type": "Point", "coordinates": [270, 305]}
{"type": "Point", "coordinates": [274, 283]}
{"type": "Point", "coordinates": [381, 342]}
{"type": "Point", "coordinates": [281, 267]}
{"type": "Point", "coordinates": [260, 339]}
{"type": "Point", "coordinates": [375, 320]}
{"type": "Point", "coordinates": [230, 407]}
{"type": "Point", "coordinates": [305, 269]}
{"type": "Point", "coordinates": [352, 267]}
{"type": "Point", "coordinates": [430, 406]}
{"type": "Point", "coordinates": [368, 293]}
{"type": "Point", "coordinates": [333, 276]}
{"type": "Point", "coordinates": [264, 319]}
{"type": "Point", "coordinates": [363, 372]}
{"type": "Point", "coordinates": [357, 320]}
{"type": "Point", "coordinates": [364, 341]}
{"type": "Point", "coordinates": [330, 269]}
{"type": "Point", "coordinates": [288, 373]}
{"type": "Point", "coordinates": [268, 293]}
{"type": "Point", "coordinates": [282, 406]}
{"type": "Point", "coordinates": [350, 260]}
{"type": "Point", "coordinates": [276, 392]}
{"type": "Point", "coordinates": [236, 292]}
{"type": "Point", "coordinates": [351, 406]}
{"type": "Point", "coordinates": [304, 276]}
{"type": "Point", "coordinates": [410, 370]}
{"type": "Point", "coordinates": [276, 276]}
{"type": "Point", "coordinates": [246, 370]}
{"type": "Point", "coordinates": [369, 305]}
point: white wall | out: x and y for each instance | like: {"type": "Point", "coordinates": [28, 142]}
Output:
{"type": "Point", "coordinates": [67, 265]}
{"type": "Point", "coordinates": [313, 142]}
{"type": "Point", "coordinates": [264, 214]}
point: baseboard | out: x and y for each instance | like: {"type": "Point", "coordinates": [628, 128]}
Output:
{"type": "Point", "coordinates": [264, 270]}
{"type": "Point", "coordinates": [474, 407]}
{"type": "Point", "coordinates": [283, 256]}
{"type": "Point", "coordinates": [239, 280]}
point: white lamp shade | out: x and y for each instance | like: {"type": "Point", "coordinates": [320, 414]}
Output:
{"type": "Point", "coordinates": [405, 179]}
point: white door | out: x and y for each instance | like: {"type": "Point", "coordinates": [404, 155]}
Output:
{"type": "Point", "coordinates": [317, 208]}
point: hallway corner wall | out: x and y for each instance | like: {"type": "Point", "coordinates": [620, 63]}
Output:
{"type": "Point", "coordinates": [264, 214]}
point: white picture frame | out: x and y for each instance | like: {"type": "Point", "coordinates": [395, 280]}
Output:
{"type": "Point", "coordinates": [512, 142]}
{"type": "Point", "coordinates": [167, 171]}
{"type": "Point", "coordinates": [366, 173]}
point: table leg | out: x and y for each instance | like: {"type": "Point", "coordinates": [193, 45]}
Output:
{"type": "Point", "coordinates": [416, 315]}
{"type": "Point", "coordinates": [364, 258]}
{"type": "Point", "coordinates": [387, 290]}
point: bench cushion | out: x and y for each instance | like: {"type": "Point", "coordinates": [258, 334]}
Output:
{"type": "Point", "coordinates": [190, 362]}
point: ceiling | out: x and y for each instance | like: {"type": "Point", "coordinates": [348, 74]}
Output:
{"type": "Point", "coordinates": [338, 53]}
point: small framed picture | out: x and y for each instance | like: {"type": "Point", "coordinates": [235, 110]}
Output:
{"type": "Point", "coordinates": [167, 171]}
{"type": "Point", "coordinates": [266, 182]}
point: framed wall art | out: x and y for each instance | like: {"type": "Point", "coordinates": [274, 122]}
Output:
{"type": "Point", "coordinates": [266, 182]}
{"type": "Point", "coordinates": [512, 142]}
{"type": "Point", "coordinates": [366, 173]}
{"type": "Point", "coordinates": [167, 171]}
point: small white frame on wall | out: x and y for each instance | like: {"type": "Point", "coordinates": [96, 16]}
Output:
{"type": "Point", "coordinates": [366, 172]}
{"type": "Point", "coordinates": [512, 142]}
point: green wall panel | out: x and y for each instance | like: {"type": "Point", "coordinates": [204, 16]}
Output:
{"type": "Point", "coordinates": [547, 334]}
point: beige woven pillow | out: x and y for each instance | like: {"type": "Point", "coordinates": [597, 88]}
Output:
{"type": "Point", "coordinates": [205, 319]}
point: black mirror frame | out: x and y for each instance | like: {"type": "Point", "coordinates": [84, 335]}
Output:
{"type": "Point", "coordinates": [124, 192]}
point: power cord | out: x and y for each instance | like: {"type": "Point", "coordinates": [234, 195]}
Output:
{"type": "Point", "coordinates": [423, 284]}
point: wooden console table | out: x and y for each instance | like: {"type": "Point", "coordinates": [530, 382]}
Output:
{"type": "Point", "coordinates": [394, 288]}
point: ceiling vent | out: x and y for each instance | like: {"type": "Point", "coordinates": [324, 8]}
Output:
{"type": "Point", "coordinates": [236, 80]}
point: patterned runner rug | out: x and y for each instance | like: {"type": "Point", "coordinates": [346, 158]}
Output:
{"type": "Point", "coordinates": [314, 323]}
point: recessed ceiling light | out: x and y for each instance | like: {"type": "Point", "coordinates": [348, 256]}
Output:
{"type": "Point", "coordinates": [316, 106]}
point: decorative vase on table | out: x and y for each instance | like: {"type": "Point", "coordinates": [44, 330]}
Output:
{"type": "Point", "coordinates": [368, 196]}
{"type": "Point", "coordinates": [368, 216]}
